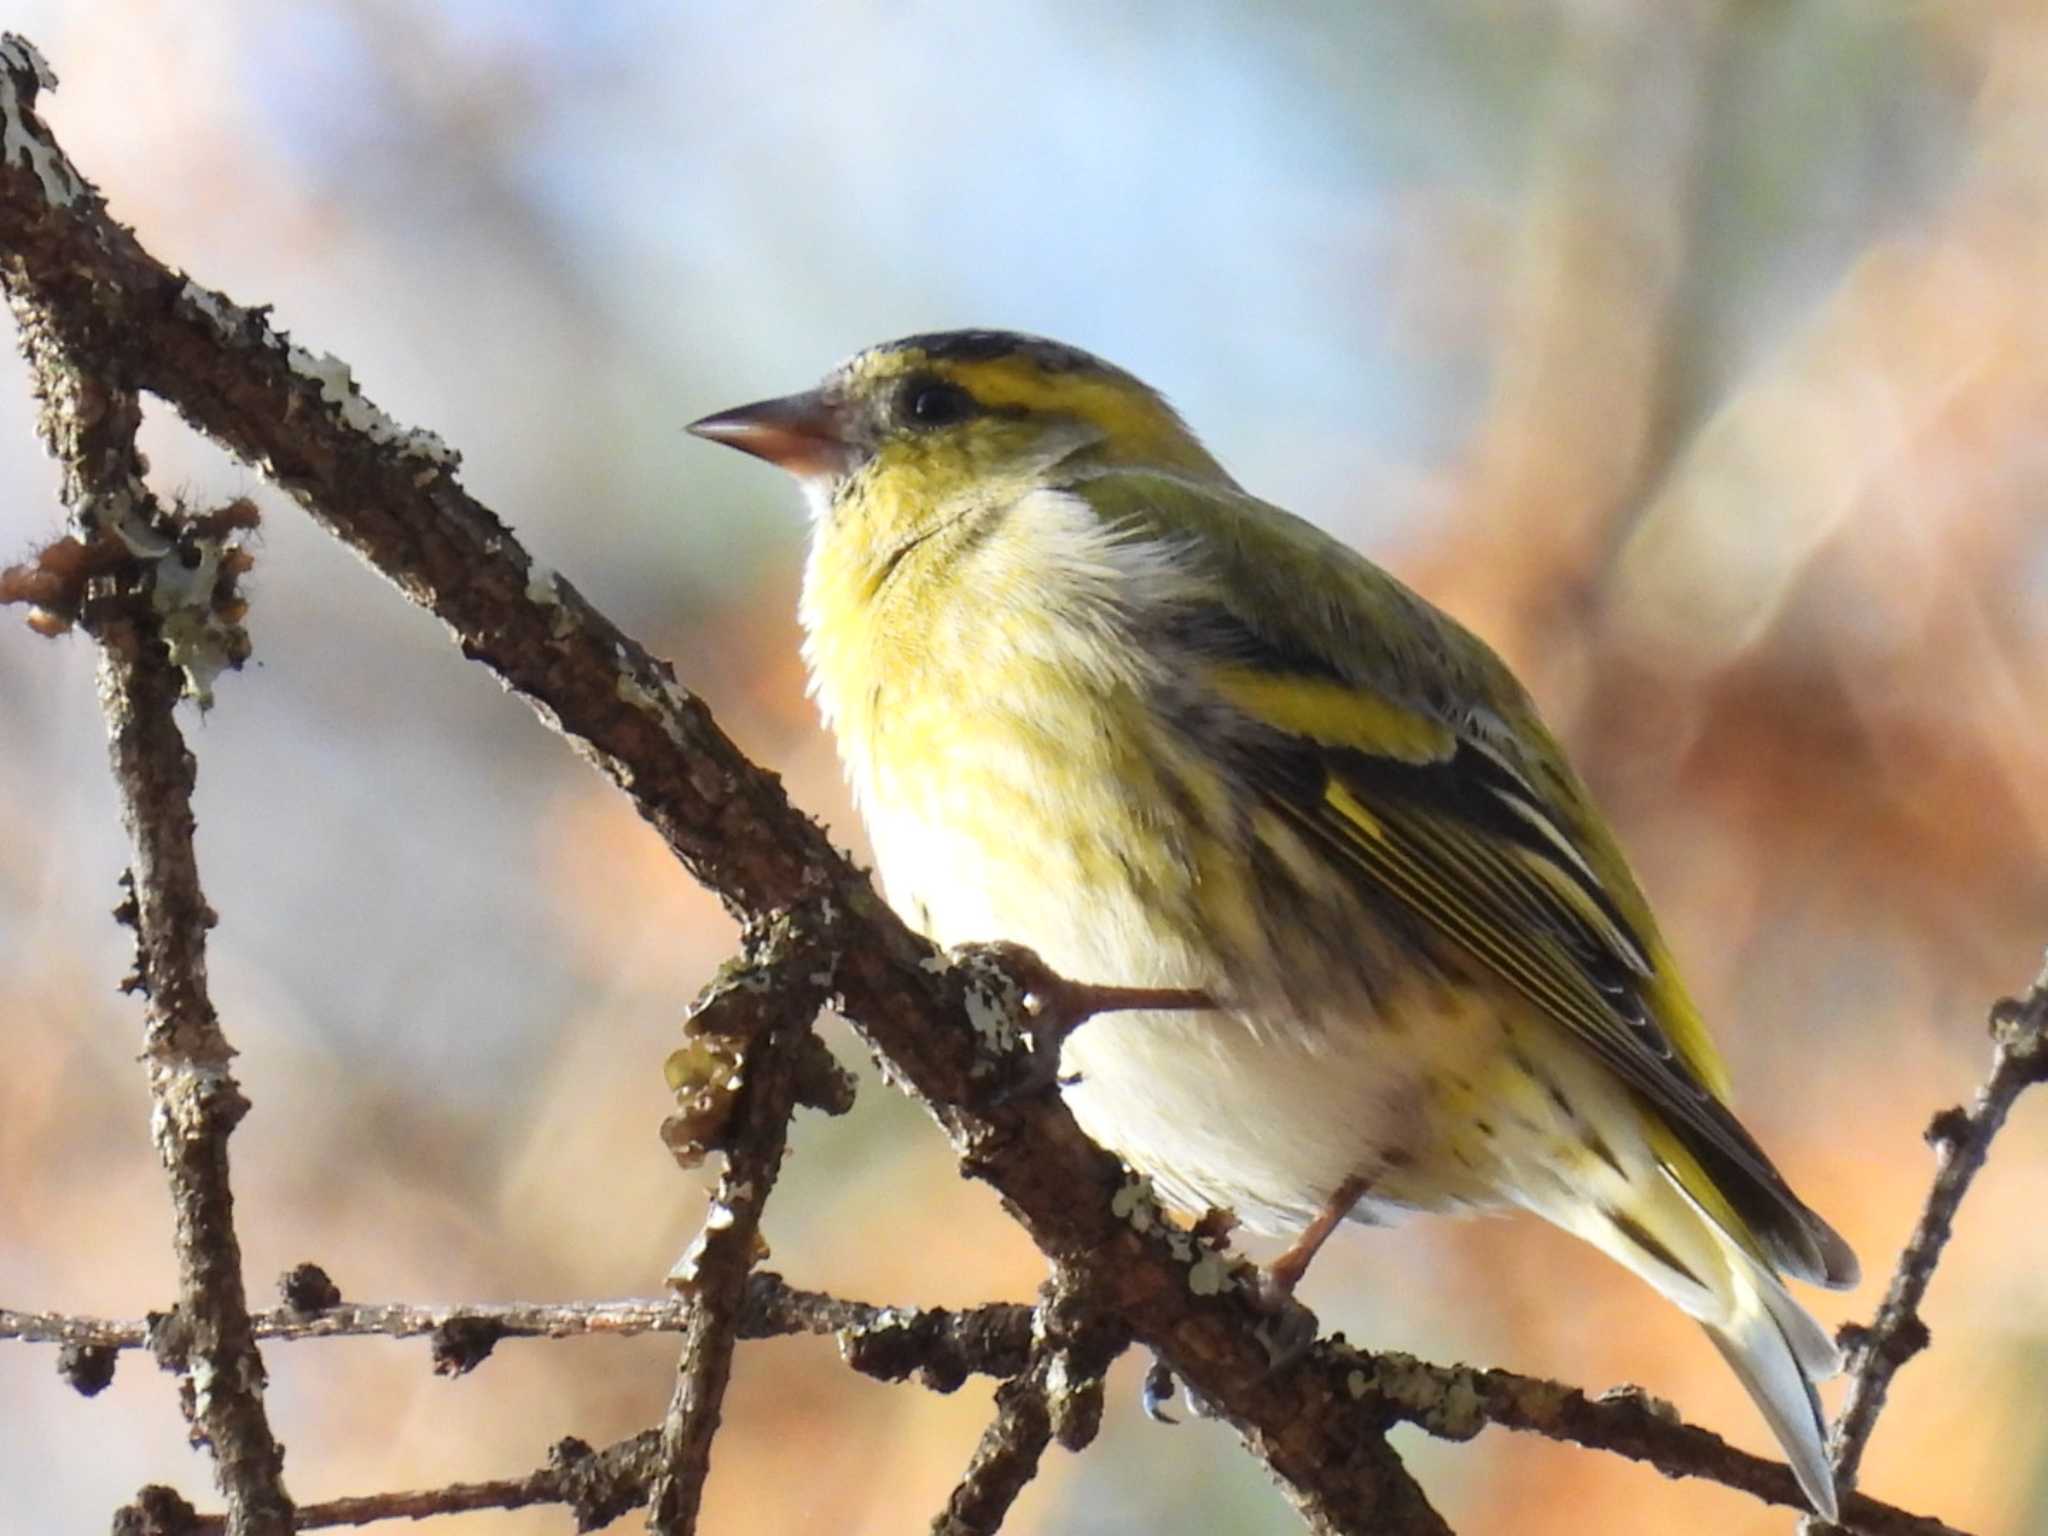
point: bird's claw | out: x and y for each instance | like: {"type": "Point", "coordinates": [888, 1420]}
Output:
{"type": "Point", "coordinates": [1159, 1390]}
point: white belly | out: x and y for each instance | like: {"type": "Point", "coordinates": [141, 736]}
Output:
{"type": "Point", "coordinates": [1262, 1117]}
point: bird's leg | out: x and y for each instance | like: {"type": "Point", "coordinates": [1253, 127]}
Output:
{"type": "Point", "coordinates": [1291, 1327]}
{"type": "Point", "coordinates": [1285, 1272]}
{"type": "Point", "coordinates": [1058, 1007]}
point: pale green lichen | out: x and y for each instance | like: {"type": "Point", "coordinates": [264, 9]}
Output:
{"type": "Point", "coordinates": [662, 702]}
{"type": "Point", "coordinates": [993, 1018]}
{"type": "Point", "coordinates": [338, 389]}
{"type": "Point", "coordinates": [994, 1005]}
{"type": "Point", "coordinates": [1134, 1205]}
{"type": "Point", "coordinates": [201, 640]}
{"type": "Point", "coordinates": [1451, 1409]}
{"type": "Point", "coordinates": [1210, 1274]}
{"type": "Point", "coordinates": [683, 1273]}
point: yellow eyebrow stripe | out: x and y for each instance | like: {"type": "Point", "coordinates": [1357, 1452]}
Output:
{"type": "Point", "coordinates": [1335, 714]}
{"type": "Point", "coordinates": [1138, 422]}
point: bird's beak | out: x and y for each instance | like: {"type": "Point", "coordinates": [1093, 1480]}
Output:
{"type": "Point", "coordinates": [804, 434]}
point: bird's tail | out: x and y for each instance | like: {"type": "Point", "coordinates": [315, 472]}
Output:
{"type": "Point", "coordinates": [1777, 1349]}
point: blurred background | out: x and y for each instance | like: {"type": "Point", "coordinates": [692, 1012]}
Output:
{"type": "Point", "coordinates": [1696, 354]}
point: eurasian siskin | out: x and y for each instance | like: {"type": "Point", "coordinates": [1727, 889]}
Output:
{"type": "Point", "coordinates": [1096, 700]}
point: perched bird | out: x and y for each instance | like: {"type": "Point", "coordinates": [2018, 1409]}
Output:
{"type": "Point", "coordinates": [1095, 699]}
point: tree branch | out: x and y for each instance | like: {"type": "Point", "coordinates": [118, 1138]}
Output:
{"type": "Point", "coordinates": [768, 1001]}
{"type": "Point", "coordinates": [1962, 1140]}
{"type": "Point", "coordinates": [1457, 1402]}
{"type": "Point", "coordinates": [1451, 1402]}
{"type": "Point", "coordinates": [941, 1347]}
{"type": "Point", "coordinates": [89, 420]}
{"type": "Point", "coordinates": [1004, 1460]}
{"type": "Point", "coordinates": [599, 1486]}
{"type": "Point", "coordinates": [206, 1338]}
{"type": "Point", "coordinates": [1058, 1396]}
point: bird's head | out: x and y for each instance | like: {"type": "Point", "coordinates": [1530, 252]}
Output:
{"type": "Point", "coordinates": [931, 422]}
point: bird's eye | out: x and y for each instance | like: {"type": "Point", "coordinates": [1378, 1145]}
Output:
{"type": "Point", "coordinates": [935, 403]}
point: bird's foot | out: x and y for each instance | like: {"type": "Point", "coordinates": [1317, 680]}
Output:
{"type": "Point", "coordinates": [1293, 1326]}
{"type": "Point", "coordinates": [1287, 1333]}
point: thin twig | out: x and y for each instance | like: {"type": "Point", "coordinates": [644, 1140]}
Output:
{"type": "Point", "coordinates": [938, 1345]}
{"type": "Point", "coordinates": [1005, 1459]}
{"type": "Point", "coordinates": [768, 1002]}
{"type": "Point", "coordinates": [1962, 1140]}
{"type": "Point", "coordinates": [1457, 1402]}
{"type": "Point", "coordinates": [599, 1486]}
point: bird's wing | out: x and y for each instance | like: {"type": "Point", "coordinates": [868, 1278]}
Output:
{"type": "Point", "coordinates": [1400, 745]}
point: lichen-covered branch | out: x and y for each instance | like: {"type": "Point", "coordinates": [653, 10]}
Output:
{"type": "Point", "coordinates": [141, 614]}
{"type": "Point", "coordinates": [1452, 1402]}
{"type": "Point", "coordinates": [207, 1336]}
{"type": "Point", "coordinates": [1961, 1139]}
{"type": "Point", "coordinates": [939, 1346]}
{"type": "Point", "coordinates": [1457, 1402]}
{"type": "Point", "coordinates": [766, 1004]}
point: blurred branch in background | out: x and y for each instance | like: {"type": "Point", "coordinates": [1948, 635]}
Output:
{"type": "Point", "coordinates": [1583, 415]}
{"type": "Point", "coordinates": [1598, 269]}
